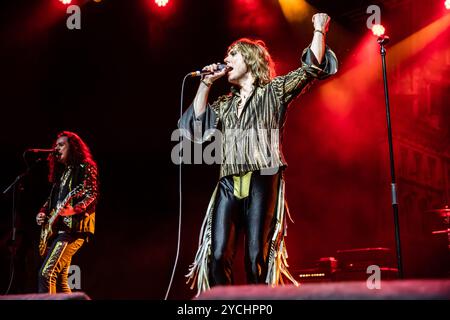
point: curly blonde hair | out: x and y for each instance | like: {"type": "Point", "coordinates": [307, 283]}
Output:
{"type": "Point", "coordinates": [257, 58]}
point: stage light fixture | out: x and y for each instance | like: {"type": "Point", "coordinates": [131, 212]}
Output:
{"type": "Point", "coordinates": [378, 30]}
{"type": "Point", "coordinates": [161, 3]}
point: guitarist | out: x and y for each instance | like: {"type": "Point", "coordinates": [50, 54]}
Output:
{"type": "Point", "coordinates": [72, 170]}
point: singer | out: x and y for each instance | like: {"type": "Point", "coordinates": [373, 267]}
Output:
{"type": "Point", "coordinates": [250, 196]}
{"type": "Point", "coordinates": [73, 197]}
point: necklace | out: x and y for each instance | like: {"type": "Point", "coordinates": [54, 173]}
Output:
{"type": "Point", "coordinates": [66, 175]}
{"type": "Point", "coordinates": [243, 99]}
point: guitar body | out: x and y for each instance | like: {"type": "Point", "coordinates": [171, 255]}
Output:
{"type": "Point", "coordinates": [46, 233]}
{"type": "Point", "coordinates": [47, 228]}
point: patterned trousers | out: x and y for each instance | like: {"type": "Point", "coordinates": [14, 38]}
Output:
{"type": "Point", "coordinates": [55, 268]}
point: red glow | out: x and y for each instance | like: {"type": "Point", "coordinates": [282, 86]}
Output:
{"type": "Point", "coordinates": [65, 1]}
{"type": "Point", "coordinates": [447, 4]}
{"type": "Point", "coordinates": [378, 30]}
{"type": "Point", "coordinates": [253, 16]}
{"type": "Point", "coordinates": [161, 3]}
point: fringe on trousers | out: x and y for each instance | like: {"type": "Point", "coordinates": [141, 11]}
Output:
{"type": "Point", "coordinates": [277, 262]}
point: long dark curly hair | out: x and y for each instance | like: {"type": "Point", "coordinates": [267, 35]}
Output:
{"type": "Point", "coordinates": [78, 153]}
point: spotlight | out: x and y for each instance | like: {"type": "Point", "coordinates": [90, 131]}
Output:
{"type": "Point", "coordinates": [378, 30]}
{"type": "Point", "coordinates": [447, 4]}
{"type": "Point", "coordinates": [161, 3]}
{"type": "Point", "coordinates": [65, 1]}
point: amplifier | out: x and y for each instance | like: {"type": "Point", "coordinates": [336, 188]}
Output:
{"type": "Point", "coordinates": [360, 259]}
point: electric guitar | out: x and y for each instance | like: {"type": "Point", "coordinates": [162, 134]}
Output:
{"type": "Point", "coordinates": [47, 227]}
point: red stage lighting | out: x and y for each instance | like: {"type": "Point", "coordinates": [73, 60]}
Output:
{"type": "Point", "coordinates": [447, 4]}
{"type": "Point", "coordinates": [378, 30]}
{"type": "Point", "coordinates": [161, 3]}
{"type": "Point", "coordinates": [65, 1]}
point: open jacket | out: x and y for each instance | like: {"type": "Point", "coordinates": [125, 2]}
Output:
{"type": "Point", "coordinates": [81, 181]}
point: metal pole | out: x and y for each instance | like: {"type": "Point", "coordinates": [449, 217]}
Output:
{"type": "Point", "coordinates": [382, 41]}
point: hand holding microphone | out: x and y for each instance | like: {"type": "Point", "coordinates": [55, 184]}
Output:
{"type": "Point", "coordinates": [212, 72]}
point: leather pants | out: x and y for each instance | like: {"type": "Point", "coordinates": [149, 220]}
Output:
{"type": "Point", "coordinates": [254, 215]}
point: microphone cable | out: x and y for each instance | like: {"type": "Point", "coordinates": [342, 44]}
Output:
{"type": "Point", "coordinates": [179, 192]}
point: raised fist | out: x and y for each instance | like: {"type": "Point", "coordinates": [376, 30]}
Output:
{"type": "Point", "coordinates": [321, 22]}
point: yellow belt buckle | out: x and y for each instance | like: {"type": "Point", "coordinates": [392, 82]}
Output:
{"type": "Point", "coordinates": [241, 185]}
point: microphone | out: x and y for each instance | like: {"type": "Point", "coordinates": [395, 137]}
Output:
{"type": "Point", "coordinates": [53, 151]}
{"type": "Point", "coordinates": [220, 67]}
{"type": "Point", "coordinates": [383, 40]}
